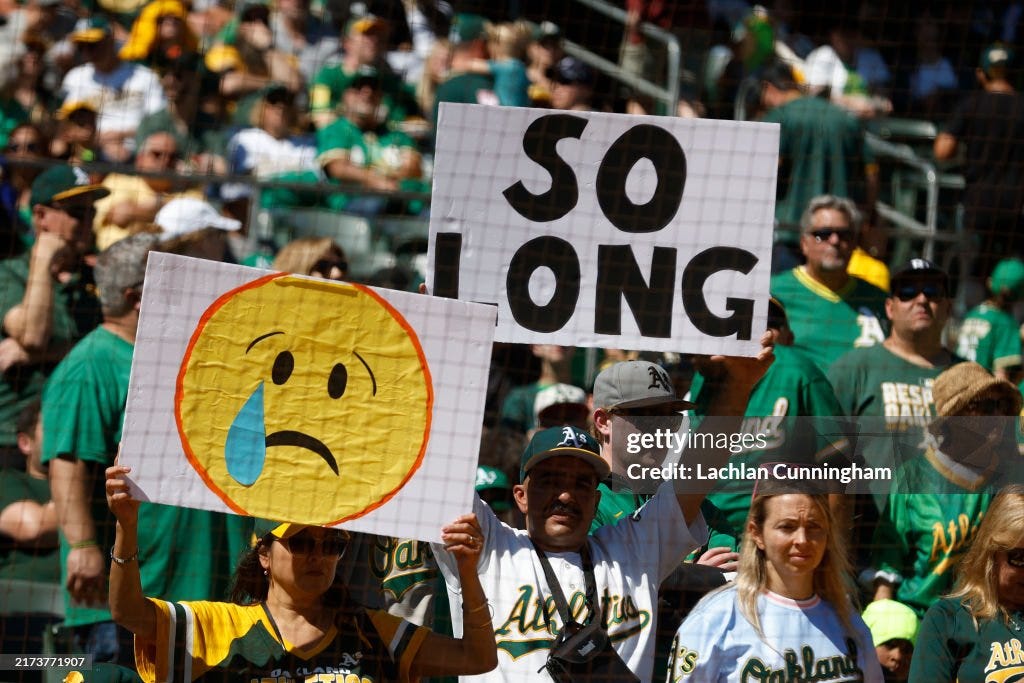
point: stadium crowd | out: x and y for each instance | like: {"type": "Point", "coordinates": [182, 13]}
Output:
{"type": "Point", "coordinates": [128, 127]}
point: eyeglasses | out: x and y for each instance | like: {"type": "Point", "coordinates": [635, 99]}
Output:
{"type": "Point", "coordinates": [1015, 557]}
{"type": "Point", "coordinates": [910, 291]}
{"type": "Point", "coordinates": [304, 543]}
{"type": "Point", "coordinates": [825, 234]}
{"type": "Point", "coordinates": [994, 407]}
{"type": "Point", "coordinates": [32, 147]}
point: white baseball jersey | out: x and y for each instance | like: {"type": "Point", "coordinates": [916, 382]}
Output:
{"type": "Point", "coordinates": [121, 97]}
{"type": "Point", "coordinates": [630, 559]}
{"type": "Point", "coordinates": [803, 640]}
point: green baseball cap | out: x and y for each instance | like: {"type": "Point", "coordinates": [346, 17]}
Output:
{"type": "Point", "coordinates": [466, 28]}
{"type": "Point", "coordinates": [492, 479]}
{"type": "Point", "coordinates": [1008, 277]}
{"type": "Point", "coordinates": [91, 30]}
{"type": "Point", "coordinates": [567, 440]}
{"type": "Point", "coordinates": [263, 527]}
{"type": "Point", "coordinates": [61, 183]}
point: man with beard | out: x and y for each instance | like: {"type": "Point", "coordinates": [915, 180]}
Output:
{"type": "Point", "coordinates": [830, 311]}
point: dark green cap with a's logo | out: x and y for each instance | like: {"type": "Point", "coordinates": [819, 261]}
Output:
{"type": "Point", "coordinates": [64, 183]}
{"type": "Point", "coordinates": [566, 440]}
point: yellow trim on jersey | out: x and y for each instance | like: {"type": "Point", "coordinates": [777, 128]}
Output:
{"type": "Point", "coordinates": [801, 275]}
{"type": "Point", "coordinates": [393, 631]}
{"type": "Point", "coordinates": [944, 466]}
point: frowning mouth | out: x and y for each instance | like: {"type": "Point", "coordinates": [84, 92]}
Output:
{"type": "Point", "coordinates": [303, 440]}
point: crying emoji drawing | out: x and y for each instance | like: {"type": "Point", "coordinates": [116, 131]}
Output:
{"type": "Point", "coordinates": [304, 400]}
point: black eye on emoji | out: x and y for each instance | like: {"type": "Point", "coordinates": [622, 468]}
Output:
{"type": "Point", "coordinates": [337, 381]}
{"type": "Point", "coordinates": [284, 364]}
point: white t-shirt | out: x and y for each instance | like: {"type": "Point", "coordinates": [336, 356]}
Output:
{"type": "Point", "coordinates": [255, 151]}
{"type": "Point", "coordinates": [804, 640]}
{"type": "Point", "coordinates": [122, 97]}
{"type": "Point", "coordinates": [630, 559]}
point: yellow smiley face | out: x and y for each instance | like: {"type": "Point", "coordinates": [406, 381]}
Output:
{"type": "Point", "coordinates": [304, 400]}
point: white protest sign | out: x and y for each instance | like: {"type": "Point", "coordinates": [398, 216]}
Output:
{"type": "Point", "coordinates": [300, 399]}
{"type": "Point", "coordinates": [592, 229]}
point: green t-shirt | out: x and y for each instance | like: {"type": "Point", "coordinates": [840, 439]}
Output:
{"type": "Point", "coordinates": [827, 324]}
{"type": "Point", "coordinates": [184, 554]}
{"type": "Point", "coordinates": [892, 399]}
{"type": "Point", "coordinates": [793, 388]}
{"type": "Point", "coordinates": [990, 337]}
{"type": "Point", "coordinates": [821, 151]}
{"type": "Point", "coordinates": [76, 310]}
{"type": "Point", "coordinates": [951, 648]}
{"type": "Point", "coordinates": [18, 561]}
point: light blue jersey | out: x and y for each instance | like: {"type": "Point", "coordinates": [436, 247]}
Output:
{"type": "Point", "coordinates": [803, 640]}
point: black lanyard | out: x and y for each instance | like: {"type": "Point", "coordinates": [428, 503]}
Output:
{"type": "Point", "coordinates": [556, 588]}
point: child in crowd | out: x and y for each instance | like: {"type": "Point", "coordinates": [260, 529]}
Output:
{"type": "Point", "coordinates": [507, 46]}
{"type": "Point", "coordinates": [893, 628]}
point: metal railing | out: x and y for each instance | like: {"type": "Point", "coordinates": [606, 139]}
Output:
{"type": "Point", "coordinates": [669, 94]}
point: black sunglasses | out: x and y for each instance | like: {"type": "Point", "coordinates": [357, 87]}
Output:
{"type": "Point", "coordinates": [304, 543]}
{"type": "Point", "coordinates": [324, 266]}
{"type": "Point", "coordinates": [1015, 557]}
{"type": "Point", "coordinates": [825, 234]}
{"type": "Point", "coordinates": [912, 290]}
{"type": "Point", "coordinates": [32, 147]}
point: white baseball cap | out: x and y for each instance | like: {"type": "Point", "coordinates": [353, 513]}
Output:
{"type": "Point", "coordinates": [558, 394]}
{"type": "Point", "coordinates": [185, 215]}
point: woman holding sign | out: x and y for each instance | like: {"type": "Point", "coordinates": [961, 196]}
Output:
{"type": "Point", "coordinates": [788, 609]}
{"type": "Point", "coordinates": [290, 617]}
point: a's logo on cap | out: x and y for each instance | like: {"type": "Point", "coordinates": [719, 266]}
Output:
{"type": "Point", "coordinates": [81, 177]}
{"type": "Point", "coordinates": [659, 378]}
{"type": "Point", "coordinates": [571, 437]}
{"type": "Point", "coordinates": [918, 264]}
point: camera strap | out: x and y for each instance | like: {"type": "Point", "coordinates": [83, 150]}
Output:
{"type": "Point", "coordinates": [556, 588]}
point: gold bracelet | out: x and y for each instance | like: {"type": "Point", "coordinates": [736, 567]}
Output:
{"type": "Point", "coordinates": [90, 543]}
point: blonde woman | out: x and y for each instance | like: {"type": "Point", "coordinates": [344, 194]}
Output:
{"type": "Point", "coordinates": [788, 615]}
{"type": "Point", "coordinates": [316, 256]}
{"type": "Point", "coordinates": [975, 634]}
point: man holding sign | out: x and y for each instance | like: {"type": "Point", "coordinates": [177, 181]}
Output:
{"type": "Point", "coordinates": [558, 496]}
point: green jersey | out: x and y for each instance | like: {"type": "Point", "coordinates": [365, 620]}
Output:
{"type": "Point", "coordinates": [184, 554]}
{"type": "Point", "coordinates": [950, 647]}
{"type": "Point", "coordinates": [792, 388]}
{"type": "Point", "coordinates": [827, 324]}
{"type": "Point", "coordinates": [930, 522]}
{"type": "Point", "coordinates": [990, 337]}
{"type": "Point", "coordinates": [76, 310]}
{"type": "Point", "coordinates": [381, 149]}
{"type": "Point", "coordinates": [617, 504]}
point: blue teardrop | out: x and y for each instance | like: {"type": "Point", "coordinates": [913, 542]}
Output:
{"type": "Point", "coordinates": [246, 447]}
